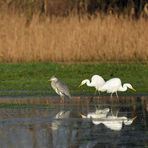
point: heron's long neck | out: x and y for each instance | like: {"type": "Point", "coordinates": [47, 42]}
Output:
{"type": "Point", "coordinates": [123, 88]}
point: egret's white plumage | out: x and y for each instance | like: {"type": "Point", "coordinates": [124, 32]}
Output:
{"type": "Point", "coordinates": [96, 81]}
{"type": "Point", "coordinates": [113, 85]}
{"type": "Point", "coordinates": [113, 122]}
{"type": "Point", "coordinates": [127, 121]}
{"type": "Point", "coordinates": [99, 113]}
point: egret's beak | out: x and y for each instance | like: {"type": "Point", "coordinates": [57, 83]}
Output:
{"type": "Point", "coordinates": [134, 118]}
{"type": "Point", "coordinates": [49, 80]}
{"type": "Point", "coordinates": [80, 85]}
{"type": "Point", "coordinates": [83, 116]}
{"type": "Point", "coordinates": [133, 89]}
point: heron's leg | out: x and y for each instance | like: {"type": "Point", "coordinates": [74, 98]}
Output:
{"type": "Point", "coordinates": [62, 99]}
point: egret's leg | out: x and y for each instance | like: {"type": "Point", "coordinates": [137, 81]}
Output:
{"type": "Point", "coordinates": [96, 107]}
{"type": "Point", "coordinates": [95, 92]}
{"type": "Point", "coordinates": [117, 94]}
{"type": "Point", "coordinates": [111, 112]}
{"type": "Point", "coordinates": [117, 113]}
{"type": "Point", "coordinates": [93, 95]}
{"type": "Point", "coordinates": [111, 95]}
{"type": "Point", "coordinates": [99, 93]}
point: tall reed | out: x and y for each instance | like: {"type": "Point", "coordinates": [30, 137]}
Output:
{"type": "Point", "coordinates": [67, 39]}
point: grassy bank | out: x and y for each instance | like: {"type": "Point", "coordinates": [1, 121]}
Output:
{"type": "Point", "coordinates": [67, 39]}
{"type": "Point", "coordinates": [31, 78]}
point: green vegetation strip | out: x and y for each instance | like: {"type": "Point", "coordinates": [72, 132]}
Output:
{"type": "Point", "coordinates": [32, 78]}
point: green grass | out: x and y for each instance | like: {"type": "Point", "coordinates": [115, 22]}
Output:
{"type": "Point", "coordinates": [31, 78]}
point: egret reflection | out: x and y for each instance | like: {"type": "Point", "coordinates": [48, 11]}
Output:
{"type": "Point", "coordinates": [99, 113]}
{"type": "Point", "coordinates": [113, 122]}
{"type": "Point", "coordinates": [61, 126]}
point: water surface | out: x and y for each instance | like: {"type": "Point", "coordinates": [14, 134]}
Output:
{"type": "Point", "coordinates": [47, 123]}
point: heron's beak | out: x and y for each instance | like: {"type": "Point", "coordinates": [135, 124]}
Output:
{"type": "Point", "coordinates": [49, 80]}
{"type": "Point", "coordinates": [133, 89]}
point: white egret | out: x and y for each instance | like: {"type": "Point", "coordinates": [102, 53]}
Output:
{"type": "Point", "coordinates": [113, 85]}
{"type": "Point", "coordinates": [96, 81]}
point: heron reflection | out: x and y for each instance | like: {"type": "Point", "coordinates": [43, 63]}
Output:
{"type": "Point", "coordinates": [60, 115]}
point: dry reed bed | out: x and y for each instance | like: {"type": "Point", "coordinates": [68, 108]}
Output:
{"type": "Point", "coordinates": [69, 39]}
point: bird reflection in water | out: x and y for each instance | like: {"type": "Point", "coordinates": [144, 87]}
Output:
{"type": "Point", "coordinates": [60, 130]}
{"type": "Point", "coordinates": [112, 122]}
{"type": "Point", "coordinates": [97, 114]}
{"type": "Point", "coordinates": [66, 133]}
{"type": "Point", "coordinates": [60, 115]}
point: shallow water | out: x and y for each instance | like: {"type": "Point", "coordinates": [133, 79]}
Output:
{"type": "Point", "coordinates": [47, 123]}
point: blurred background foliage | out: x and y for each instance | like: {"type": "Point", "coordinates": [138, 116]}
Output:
{"type": "Point", "coordinates": [131, 8]}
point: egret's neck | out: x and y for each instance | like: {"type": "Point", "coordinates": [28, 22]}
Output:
{"type": "Point", "coordinates": [102, 89]}
{"type": "Point", "coordinates": [88, 83]}
{"type": "Point", "coordinates": [123, 88]}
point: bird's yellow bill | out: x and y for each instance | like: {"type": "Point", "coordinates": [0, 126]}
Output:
{"type": "Point", "coordinates": [83, 116]}
{"type": "Point", "coordinates": [133, 89]}
{"type": "Point", "coordinates": [80, 85]}
{"type": "Point", "coordinates": [49, 80]}
{"type": "Point", "coordinates": [134, 118]}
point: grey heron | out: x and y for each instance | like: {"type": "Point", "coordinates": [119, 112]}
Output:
{"type": "Point", "coordinates": [60, 87]}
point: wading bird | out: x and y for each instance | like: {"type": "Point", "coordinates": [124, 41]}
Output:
{"type": "Point", "coordinates": [96, 81]}
{"type": "Point", "coordinates": [113, 85]}
{"type": "Point", "coordinates": [60, 87]}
